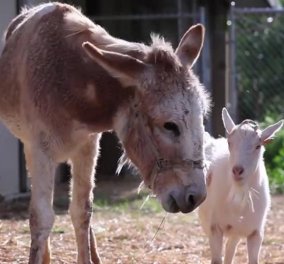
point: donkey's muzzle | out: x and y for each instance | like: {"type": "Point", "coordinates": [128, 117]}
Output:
{"type": "Point", "coordinates": [185, 201]}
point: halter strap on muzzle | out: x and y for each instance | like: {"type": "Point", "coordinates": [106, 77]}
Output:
{"type": "Point", "coordinates": [162, 165]}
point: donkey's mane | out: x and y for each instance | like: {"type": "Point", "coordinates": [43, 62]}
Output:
{"type": "Point", "coordinates": [76, 24]}
{"type": "Point", "coordinates": [25, 13]}
{"type": "Point", "coordinates": [161, 52]}
{"type": "Point", "coordinates": [158, 52]}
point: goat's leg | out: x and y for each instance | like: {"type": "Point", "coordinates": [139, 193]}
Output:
{"type": "Point", "coordinates": [216, 243]}
{"type": "Point", "coordinates": [83, 163]}
{"type": "Point", "coordinates": [42, 172]}
{"type": "Point", "coordinates": [254, 242]}
{"type": "Point", "coordinates": [231, 246]}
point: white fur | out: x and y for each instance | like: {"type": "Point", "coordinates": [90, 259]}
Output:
{"type": "Point", "coordinates": [236, 209]}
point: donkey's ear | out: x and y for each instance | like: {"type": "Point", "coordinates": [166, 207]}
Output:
{"type": "Point", "coordinates": [227, 121]}
{"type": "Point", "coordinates": [126, 69]}
{"type": "Point", "coordinates": [268, 133]}
{"type": "Point", "coordinates": [190, 45]}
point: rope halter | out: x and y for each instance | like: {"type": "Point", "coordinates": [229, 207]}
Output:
{"type": "Point", "coordinates": [162, 165]}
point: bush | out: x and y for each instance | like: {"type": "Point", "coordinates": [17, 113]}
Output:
{"type": "Point", "coordinates": [274, 159]}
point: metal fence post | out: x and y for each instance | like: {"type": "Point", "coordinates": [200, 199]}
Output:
{"type": "Point", "coordinates": [232, 92]}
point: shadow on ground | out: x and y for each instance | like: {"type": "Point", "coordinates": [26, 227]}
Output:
{"type": "Point", "coordinates": [110, 191]}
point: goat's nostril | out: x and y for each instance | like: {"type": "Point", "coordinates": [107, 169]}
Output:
{"type": "Point", "coordinates": [237, 173]}
{"type": "Point", "coordinates": [238, 170]}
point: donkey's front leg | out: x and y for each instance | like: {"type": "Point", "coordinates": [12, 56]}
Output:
{"type": "Point", "coordinates": [83, 163]}
{"type": "Point", "coordinates": [42, 171]}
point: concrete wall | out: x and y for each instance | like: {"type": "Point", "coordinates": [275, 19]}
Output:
{"type": "Point", "coordinates": [8, 10]}
{"type": "Point", "coordinates": [9, 145]}
{"type": "Point", "coordinates": [36, 2]}
{"type": "Point", "coordinates": [9, 163]}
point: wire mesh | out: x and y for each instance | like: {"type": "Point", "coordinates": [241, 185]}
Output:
{"type": "Point", "coordinates": [259, 63]}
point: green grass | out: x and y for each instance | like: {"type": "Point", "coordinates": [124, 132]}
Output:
{"type": "Point", "coordinates": [58, 230]}
{"type": "Point", "coordinates": [274, 160]}
{"type": "Point", "coordinates": [274, 157]}
{"type": "Point", "coordinates": [132, 206]}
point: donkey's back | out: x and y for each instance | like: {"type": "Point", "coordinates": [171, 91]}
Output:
{"type": "Point", "coordinates": [48, 78]}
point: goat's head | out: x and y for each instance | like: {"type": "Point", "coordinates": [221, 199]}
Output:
{"type": "Point", "coordinates": [245, 142]}
{"type": "Point", "coordinates": [162, 128]}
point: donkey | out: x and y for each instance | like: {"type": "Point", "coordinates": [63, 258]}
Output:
{"type": "Point", "coordinates": [64, 80]}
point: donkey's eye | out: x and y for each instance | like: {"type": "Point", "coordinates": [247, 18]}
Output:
{"type": "Point", "coordinates": [257, 147]}
{"type": "Point", "coordinates": [172, 127]}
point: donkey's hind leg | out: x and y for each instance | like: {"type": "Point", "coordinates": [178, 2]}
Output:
{"type": "Point", "coordinates": [42, 172]}
{"type": "Point", "coordinates": [83, 164]}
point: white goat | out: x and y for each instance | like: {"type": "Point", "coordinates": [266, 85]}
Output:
{"type": "Point", "coordinates": [238, 196]}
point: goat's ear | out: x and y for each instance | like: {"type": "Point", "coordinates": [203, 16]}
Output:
{"type": "Point", "coordinates": [125, 68]}
{"type": "Point", "coordinates": [268, 133]}
{"type": "Point", "coordinates": [227, 121]}
{"type": "Point", "coordinates": [190, 45]}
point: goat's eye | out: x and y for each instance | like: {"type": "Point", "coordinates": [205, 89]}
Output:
{"type": "Point", "coordinates": [172, 127]}
{"type": "Point", "coordinates": [257, 147]}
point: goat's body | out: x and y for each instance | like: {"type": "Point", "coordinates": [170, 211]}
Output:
{"type": "Point", "coordinates": [226, 212]}
{"type": "Point", "coordinates": [233, 219]}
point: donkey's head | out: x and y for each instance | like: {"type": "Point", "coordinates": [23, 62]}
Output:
{"type": "Point", "coordinates": [161, 127]}
{"type": "Point", "coordinates": [245, 142]}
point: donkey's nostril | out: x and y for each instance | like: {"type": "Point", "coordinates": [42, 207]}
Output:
{"type": "Point", "coordinates": [173, 206]}
{"type": "Point", "coordinates": [191, 200]}
{"type": "Point", "coordinates": [185, 201]}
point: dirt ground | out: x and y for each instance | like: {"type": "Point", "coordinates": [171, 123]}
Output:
{"type": "Point", "coordinates": [130, 235]}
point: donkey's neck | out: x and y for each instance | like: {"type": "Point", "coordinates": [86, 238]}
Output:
{"type": "Point", "coordinates": [105, 96]}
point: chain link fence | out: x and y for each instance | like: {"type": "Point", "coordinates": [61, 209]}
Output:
{"type": "Point", "coordinates": [257, 63]}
